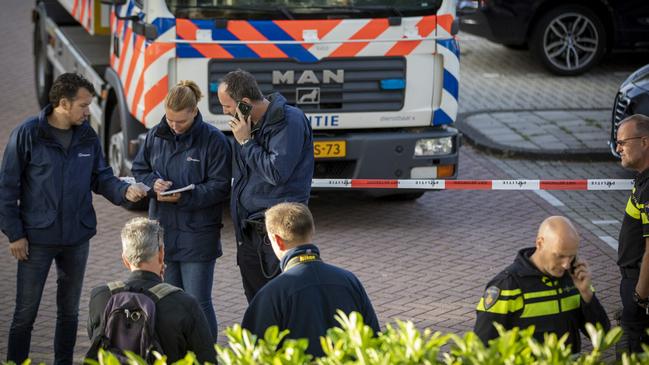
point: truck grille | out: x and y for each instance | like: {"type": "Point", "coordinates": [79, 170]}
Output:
{"type": "Point", "coordinates": [619, 113]}
{"type": "Point", "coordinates": [370, 84]}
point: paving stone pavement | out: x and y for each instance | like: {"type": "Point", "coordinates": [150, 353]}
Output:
{"type": "Point", "coordinates": [509, 104]}
{"type": "Point", "coordinates": [564, 134]}
{"type": "Point", "coordinates": [496, 78]}
{"type": "Point", "coordinates": [426, 261]}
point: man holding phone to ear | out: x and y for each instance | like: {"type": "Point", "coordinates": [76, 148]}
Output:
{"type": "Point", "coordinates": [547, 286]}
{"type": "Point", "coordinates": [272, 163]}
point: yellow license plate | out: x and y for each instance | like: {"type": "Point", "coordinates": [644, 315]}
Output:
{"type": "Point", "coordinates": [328, 149]}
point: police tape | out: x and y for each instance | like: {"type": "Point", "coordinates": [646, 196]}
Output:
{"type": "Point", "coordinates": [433, 184]}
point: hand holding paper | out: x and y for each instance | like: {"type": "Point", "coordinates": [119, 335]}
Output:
{"type": "Point", "coordinates": [180, 190]}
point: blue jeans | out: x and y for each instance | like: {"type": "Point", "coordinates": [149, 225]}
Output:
{"type": "Point", "coordinates": [196, 279]}
{"type": "Point", "coordinates": [32, 274]}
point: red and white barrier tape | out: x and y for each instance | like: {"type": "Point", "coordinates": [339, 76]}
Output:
{"type": "Point", "coordinates": [432, 184]}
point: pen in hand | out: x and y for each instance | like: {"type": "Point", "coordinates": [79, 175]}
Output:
{"type": "Point", "coordinates": [160, 184]}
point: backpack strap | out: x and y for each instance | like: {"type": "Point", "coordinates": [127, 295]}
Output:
{"type": "Point", "coordinates": [161, 290]}
{"type": "Point", "coordinates": [116, 286]}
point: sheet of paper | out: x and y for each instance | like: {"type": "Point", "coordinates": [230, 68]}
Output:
{"type": "Point", "coordinates": [186, 188]}
{"type": "Point", "coordinates": [139, 185]}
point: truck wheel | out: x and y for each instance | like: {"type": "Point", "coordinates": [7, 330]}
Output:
{"type": "Point", "coordinates": [116, 156]}
{"type": "Point", "coordinates": [43, 72]}
{"type": "Point", "coordinates": [116, 153]}
{"type": "Point", "coordinates": [569, 40]}
{"type": "Point", "coordinates": [405, 196]}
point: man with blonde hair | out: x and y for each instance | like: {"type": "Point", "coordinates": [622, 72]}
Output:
{"type": "Point", "coordinates": [308, 292]}
{"type": "Point", "coordinates": [180, 324]}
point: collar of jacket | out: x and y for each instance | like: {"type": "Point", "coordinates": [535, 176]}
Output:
{"type": "Point", "coordinates": [642, 177]}
{"type": "Point", "coordinates": [299, 250]}
{"type": "Point", "coordinates": [79, 133]}
{"type": "Point", "coordinates": [523, 265]}
{"type": "Point", "coordinates": [144, 275]}
{"type": "Point", "coordinates": [165, 132]}
{"type": "Point", "coordinates": [275, 111]}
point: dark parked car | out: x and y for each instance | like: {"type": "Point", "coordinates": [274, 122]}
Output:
{"type": "Point", "coordinates": [567, 36]}
{"type": "Point", "coordinates": [632, 98]}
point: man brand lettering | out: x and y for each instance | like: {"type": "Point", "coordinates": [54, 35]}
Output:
{"type": "Point", "coordinates": [308, 77]}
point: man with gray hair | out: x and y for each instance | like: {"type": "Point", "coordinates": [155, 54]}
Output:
{"type": "Point", "coordinates": [180, 324]}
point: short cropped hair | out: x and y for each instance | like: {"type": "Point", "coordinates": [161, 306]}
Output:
{"type": "Point", "coordinates": [141, 240]}
{"type": "Point", "coordinates": [291, 221]}
{"type": "Point", "coordinates": [640, 121]}
{"type": "Point", "coordinates": [67, 86]}
{"type": "Point", "coordinates": [185, 95]}
{"type": "Point", "coordinates": [241, 84]}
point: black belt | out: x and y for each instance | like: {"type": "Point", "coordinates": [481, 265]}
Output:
{"type": "Point", "coordinates": [630, 272]}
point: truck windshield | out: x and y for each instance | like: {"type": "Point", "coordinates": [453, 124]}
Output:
{"type": "Point", "coordinates": [306, 9]}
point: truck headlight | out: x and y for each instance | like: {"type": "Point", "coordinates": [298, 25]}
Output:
{"type": "Point", "coordinates": [434, 146]}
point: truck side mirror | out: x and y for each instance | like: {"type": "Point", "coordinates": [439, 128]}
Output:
{"type": "Point", "coordinates": [149, 31]}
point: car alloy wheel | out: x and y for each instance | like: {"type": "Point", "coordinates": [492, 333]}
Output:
{"type": "Point", "coordinates": [570, 41]}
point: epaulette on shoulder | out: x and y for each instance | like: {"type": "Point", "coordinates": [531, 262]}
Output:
{"type": "Point", "coordinates": [502, 295]}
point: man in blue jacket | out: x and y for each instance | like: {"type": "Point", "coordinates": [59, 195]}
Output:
{"type": "Point", "coordinates": [306, 296]}
{"type": "Point", "coordinates": [52, 164]}
{"type": "Point", "coordinates": [272, 163]}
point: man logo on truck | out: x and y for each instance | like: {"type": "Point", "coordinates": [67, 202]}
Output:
{"type": "Point", "coordinates": [308, 77]}
{"type": "Point", "coordinates": [308, 95]}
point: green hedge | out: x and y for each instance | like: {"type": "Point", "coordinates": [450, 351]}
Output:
{"type": "Point", "coordinates": [401, 343]}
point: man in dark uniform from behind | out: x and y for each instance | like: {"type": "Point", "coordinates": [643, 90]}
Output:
{"type": "Point", "coordinates": [547, 286]}
{"type": "Point", "coordinates": [305, 297]}
{"type": "Point", "coordinates": [633, 259]}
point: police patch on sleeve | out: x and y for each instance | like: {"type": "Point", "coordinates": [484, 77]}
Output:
{"type": "Point", "coordinates": [490, 297]}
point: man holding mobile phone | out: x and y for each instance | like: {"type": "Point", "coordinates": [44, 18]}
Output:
{"type": "Point", "coordinates": [547, 286]}
{"type": "Point", "coordinates": [272, 163]}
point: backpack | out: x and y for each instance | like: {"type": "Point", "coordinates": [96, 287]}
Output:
{"type": "Point", "coordinates": [128, 321]}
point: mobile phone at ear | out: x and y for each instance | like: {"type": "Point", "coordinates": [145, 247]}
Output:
{"type": "Point", "coordinates": [573, 265]}
{"type": "Point", "coordinates": [244, 108]}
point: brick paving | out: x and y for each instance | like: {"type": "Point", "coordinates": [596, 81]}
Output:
{"type": "Point", "coordinates": [553, 132]}
{"type": "Point", "coordinates": [495, 78]}
{"type": "Point", "coordinates": [426, 261]}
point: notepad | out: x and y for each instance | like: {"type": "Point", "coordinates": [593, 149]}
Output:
{"type": "Point", "coordinates": [180, 190]}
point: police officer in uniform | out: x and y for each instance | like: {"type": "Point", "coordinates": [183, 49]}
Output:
{"type": "Point", "coordinates": [633, 147]}
{"type": "Point", "coordinates": [547, 286]}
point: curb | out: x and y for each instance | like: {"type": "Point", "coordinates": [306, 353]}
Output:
{"type": "Point", "coordinates": [477, 139]}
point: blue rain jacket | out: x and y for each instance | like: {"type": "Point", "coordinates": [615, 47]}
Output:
{"type": "Point", "coordinates": [200, 156]}
{"type": "Point", "coordinates": [45, 192]}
